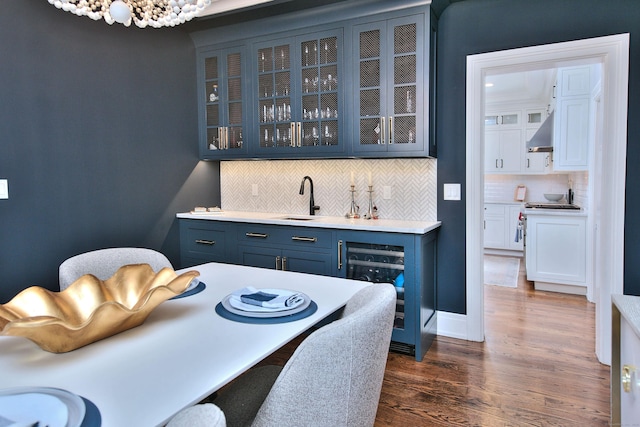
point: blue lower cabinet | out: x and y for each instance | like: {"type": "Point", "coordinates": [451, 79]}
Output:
{"type": "Point", "coordinates": [408, 261]}
{"type": "Point", "coordinates": [206, 241]}
{"type": "Point", "coordinates": [299, 249]}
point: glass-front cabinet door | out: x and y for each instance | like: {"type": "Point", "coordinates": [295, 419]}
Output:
{"type": "Point", "coordinates": [223, 115]}
{"type": "Point", "coordinates": [299, 95]}
{"type": "Point", "coordinates": [389, 90]}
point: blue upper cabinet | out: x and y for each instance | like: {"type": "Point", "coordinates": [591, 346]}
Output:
{"type": "Point", "coordinates": [320, 87]}
{"type": "Point", "coordinates": [389, 92]}
{"type": "Point", "coordinates": [298, 96]}
{"type": "Point", "coordinates": [222, 105]}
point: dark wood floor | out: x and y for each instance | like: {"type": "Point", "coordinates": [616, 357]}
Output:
{"type": "Point", "coordinates": [537, 367]}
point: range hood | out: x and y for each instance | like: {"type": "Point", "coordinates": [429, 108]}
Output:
{"type": "Point", "coordinates": [542, 140]}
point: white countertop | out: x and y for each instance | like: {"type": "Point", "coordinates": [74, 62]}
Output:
{"type": "Point", "coordinates": [383, 225]}
{"type": "Point", "coordinates": [629, 307]}
{"type": "Point", "coordinates": [494, 202]}
{"type": "Point", "coordinates": [555, 212]}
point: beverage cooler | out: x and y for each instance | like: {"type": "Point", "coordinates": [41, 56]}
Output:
{"type": "Point", "coordinates": [379, 264]}
{"type": "Point", "coordinates": [408, 262]}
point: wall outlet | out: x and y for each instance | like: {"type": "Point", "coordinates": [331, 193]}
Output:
{"type": "Point", "coordinates": [254, 189]}
{"type": "Point", "coordinates": [4, 189]}
{"type": "Point", "coordinates": [386, 192]}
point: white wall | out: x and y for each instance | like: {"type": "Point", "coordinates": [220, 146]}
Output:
{"type": "Point", "coordinates": [501, 188]}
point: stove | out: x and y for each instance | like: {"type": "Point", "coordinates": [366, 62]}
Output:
{"type": "Point", "coordinates": [542, 205]}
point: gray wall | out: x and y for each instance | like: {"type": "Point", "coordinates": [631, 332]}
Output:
{"type": "Point", "coordinates": [479, 26]}
{"type": "Point", "coordinates": [98, 130]}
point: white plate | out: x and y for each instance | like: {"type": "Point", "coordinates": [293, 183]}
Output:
{"type": "Point", "coordinates": [43, 404]}
{"type": "Point", "coordinates": [264, 312]}
{"type": "Point", "coordinates": [239, 305]}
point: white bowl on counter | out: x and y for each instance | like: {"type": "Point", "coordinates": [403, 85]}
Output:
{"type": "Point", "coordinates": [553, 197]}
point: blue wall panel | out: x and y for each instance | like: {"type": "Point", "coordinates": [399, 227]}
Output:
{"type": "Point", "coordinates": [98, 130]}
{"type": "Point", "coordinates": [479, 26]}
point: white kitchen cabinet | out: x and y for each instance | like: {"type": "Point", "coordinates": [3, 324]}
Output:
{"type": "Point", "coordinates": [537, 163]}
{"type": "Point", "coordinates": [534, 118]}
{"type": "Point", "coordinates": [502, 120]}
{"type": "Point", "coordinates": [625, 360]}
{"type": "Point", "coordinates": [556, 252]}
{"type": "Point", "coordinates": [572, 122]}
{"type": "Point", "coordinates": [500, 225]}
{"type": "Point", "coordinates": [503, 151]}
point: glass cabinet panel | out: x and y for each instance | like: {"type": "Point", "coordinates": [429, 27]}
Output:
{"type": "Point", "coordinates": [370, 89]}
{"type": "Point", "coordinates": [224, 117]}
{"type": "Point", "coordinates": [389, 90]}
{"type": "Point", "coordinates": [274, 96]}
{"type": "Point", "coordinates": [403, 131]}
{"type": "Point", "coordinates": [298, 94]}
{"type": "Point", "coordinates": [319, 72]}
{"type": "Point", "coordinates": [234, 104]}
{"type": "Point", "coordinates": [213, 118]}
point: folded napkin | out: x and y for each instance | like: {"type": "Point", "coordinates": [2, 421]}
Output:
{"type": "Point", "coordinates": [275, 299]}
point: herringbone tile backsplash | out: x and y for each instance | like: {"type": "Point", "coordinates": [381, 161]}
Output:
{"type": "Point", "coordinates": [412, 182]}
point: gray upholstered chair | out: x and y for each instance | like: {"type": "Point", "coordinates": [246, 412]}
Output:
{"type": "Point", "coordinates": [333, 378]}
{"type": "Point", "coordinates": [206, 414]}
{"type": "Point", "coordinates": [103, 263]}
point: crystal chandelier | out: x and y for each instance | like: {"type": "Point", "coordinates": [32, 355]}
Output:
{"type": "Point", "coordinates": [153, 13]}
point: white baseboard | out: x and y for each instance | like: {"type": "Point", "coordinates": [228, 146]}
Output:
{"type": "Point", "coordinates": [452, 325]}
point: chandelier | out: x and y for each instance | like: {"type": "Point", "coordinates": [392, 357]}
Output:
{"type": "Point", "coordinates": [153, 13]}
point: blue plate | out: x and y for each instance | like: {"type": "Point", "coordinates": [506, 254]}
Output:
{"type": "Point", "coordinates": [92, 417]}
{"type": "Point", "coordinates": [199, 288]}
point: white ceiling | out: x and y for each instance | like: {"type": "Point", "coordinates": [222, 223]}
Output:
{"type": "Point", "coordinates": [525, 86]}
{"type": "Point", "coordinates": [220, 6]}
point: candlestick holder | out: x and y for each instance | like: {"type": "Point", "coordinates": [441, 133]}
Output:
{"type": "Point", "coordinates": [372, 212]}
{"type": "Point", "coordinates": [353, 211]}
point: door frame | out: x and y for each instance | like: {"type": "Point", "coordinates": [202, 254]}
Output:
{"type": "Point", "coordinates": [613, 53]}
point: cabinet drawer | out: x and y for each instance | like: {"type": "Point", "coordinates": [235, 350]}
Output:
{"type": "Point", "coordinates": [303, 237]}
{"type": "Point", "coordinates": [205, 241]}
{"type": "Point", "coordinates": [490, 209]}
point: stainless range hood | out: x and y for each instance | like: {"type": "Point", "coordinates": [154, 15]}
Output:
{"type": "Point", "coordinates": [542, 140]}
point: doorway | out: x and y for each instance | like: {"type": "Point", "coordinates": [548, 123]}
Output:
{"type": "Point", "coordinates": [613, 53]}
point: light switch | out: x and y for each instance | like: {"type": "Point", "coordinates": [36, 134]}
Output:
{"type": "Point", "coordinates": [254, 189]}
{"type": "Point", "coordinates": [451, 191]}
{"type": "Point", "coordinates": [4, 189]}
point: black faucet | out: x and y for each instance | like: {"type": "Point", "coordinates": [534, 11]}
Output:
{"type": "Point", "coordinates": [312, 207]}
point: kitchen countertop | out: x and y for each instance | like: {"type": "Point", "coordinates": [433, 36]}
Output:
{"type": "Point", "coordinates": [555, 212]}
{"type": "Point", "coordinates": [336, 222]}
{"type": "Point", "coordinates": [629, 307]}
{"type": "Point", "coordinates": [497, 202]}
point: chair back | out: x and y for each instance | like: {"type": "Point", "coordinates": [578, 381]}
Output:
{"type": "Point", "coordinates": [335, 375]}
{"type": "Point", "coordinates": [103, 263]}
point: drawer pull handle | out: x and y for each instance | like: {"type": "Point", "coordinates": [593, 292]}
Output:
{"type": "Point", "coordinates": [304, 239]}
{"type": "Point", "coordinates": [205, 242]}
{"type": "Point", "coordinates": [259, 235]}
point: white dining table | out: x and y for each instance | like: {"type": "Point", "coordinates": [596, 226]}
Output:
{"type": "Point", "coordinates": [182, 353]}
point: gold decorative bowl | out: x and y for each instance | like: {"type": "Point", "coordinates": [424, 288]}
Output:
{"type": "Point", "coordinates": [90, 309]}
